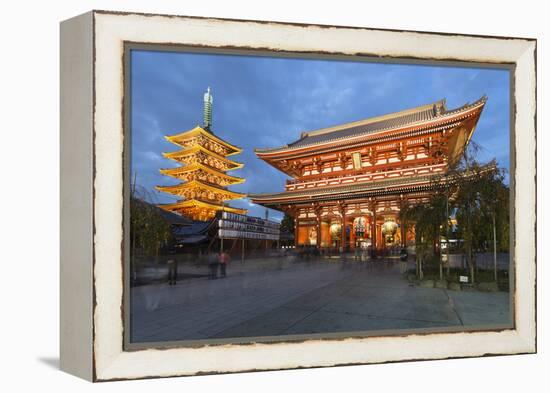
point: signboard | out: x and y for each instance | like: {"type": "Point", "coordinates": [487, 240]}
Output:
{"type": "Point", "coordinates": [356, 160]}
{"type": "Point", "coordinates": [463, 279]}
{"type": "Point", "coordinates": [239, 226]}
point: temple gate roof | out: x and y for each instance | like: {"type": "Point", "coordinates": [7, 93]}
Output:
{"type": "Point", "coordinates": [392, 121]}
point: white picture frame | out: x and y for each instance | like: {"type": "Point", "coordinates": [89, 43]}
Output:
{"type": "Point", "coordinates": [92, 193]}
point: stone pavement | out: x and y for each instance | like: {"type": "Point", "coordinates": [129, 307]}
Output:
{"type": "Point", "coordinates": [282, 297]}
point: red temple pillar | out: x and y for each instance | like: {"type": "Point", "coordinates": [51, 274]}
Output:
{"type": "Point", "coordinates": [342, 209]}
{"type": "Point", "coordinates": [296, 228]}
{"type": "Point", "coordinates": [403, 234]}
{"type": "Point", "coordinates": [402, 223]}
{"type": "Point", "coordinates": [318, 215]}
{"type": "Point", "coordinates": [374, 234]}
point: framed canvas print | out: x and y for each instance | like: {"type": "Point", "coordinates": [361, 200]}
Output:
{"type": "Point", "coordinates": [248, 195]}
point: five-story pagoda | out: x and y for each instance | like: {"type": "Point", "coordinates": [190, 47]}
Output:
{"type": "Point", "coordinates": [203, 171]}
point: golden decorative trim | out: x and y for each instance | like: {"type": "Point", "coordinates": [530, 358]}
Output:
{"type": "Point", "coordinates": [199, 185]}
{"type": "Point", "coordinates": [201, 131]}
{"type": "Point", "coordinates": [197, 148]}
{"type": "Point", "coordinates": [197, 166]}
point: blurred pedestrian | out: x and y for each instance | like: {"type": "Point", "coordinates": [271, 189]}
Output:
{"type": "Point", "coordinates": [224, 261]}
{"type": "Point", "coordinates": [172, 271]}
{"type": "Point", "coordinates": [212, 265]}
{"type": "Point", "coordinates": [404, 257]}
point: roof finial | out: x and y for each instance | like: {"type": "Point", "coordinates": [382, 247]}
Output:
{"type": "Point", "coordinates": [207, 112]}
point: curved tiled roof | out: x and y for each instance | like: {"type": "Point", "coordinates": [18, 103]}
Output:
{"type": "Point", "coordinates": [347, 188]}
{"type": "Point", "coordinates": [365, 188]}
{"type": "Point", "coordinates": [176, 138]}
{"type": "Point", "coordinates": [379, 123]}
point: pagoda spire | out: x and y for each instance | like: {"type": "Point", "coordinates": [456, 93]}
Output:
{"type": "Point", "coordinates": [207, 110]}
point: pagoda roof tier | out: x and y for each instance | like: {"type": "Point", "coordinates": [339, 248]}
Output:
{"type": "Point", "coordinates": [199, 171]}
{"type": "Point", "coordinates": [204, 138]}
{"type": "Point", "coordinates": [199, 210]}
{"type": "Point", "coordinates": [379, 128]}
{"type": "Point", "coordinates": [198, 187]}
{"type": "Point", "coordinates": [199, 154]}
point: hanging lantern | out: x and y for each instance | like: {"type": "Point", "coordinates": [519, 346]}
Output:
{"type": "Point", "coordinates": [335, 230]}
{"type": "Point", "coordinates": [389, 228]}
{"type": "Point", "coordinates": [359, 227]}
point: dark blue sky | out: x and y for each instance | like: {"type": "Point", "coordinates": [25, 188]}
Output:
{"type": "Point", "coordinates": [268, 102]}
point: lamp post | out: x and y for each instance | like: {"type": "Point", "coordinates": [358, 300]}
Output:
{"type": "Point", "coordinates": [242, 249]}
{"type": "Point", "coordinates": [495, 247]}
{"type": "Point", "coordinates": [447, 231]}
{"type": "Point", "coordinates": [221, 237]}
{"type": "Point", "coordinates": [440, 254]}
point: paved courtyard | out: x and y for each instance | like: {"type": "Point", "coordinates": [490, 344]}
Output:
{"type": "Point", "coordinates": [282, 297]}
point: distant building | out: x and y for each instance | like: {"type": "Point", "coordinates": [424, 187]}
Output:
{"type": "Point", "coordinates": [351, 180]}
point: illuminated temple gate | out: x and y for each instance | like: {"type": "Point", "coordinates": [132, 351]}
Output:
{"type": "Point", "coordinates": [351, 180]}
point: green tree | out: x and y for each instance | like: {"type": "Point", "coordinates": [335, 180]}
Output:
{"type": "Point", "coordinates": [287, 224]}
{"type": "Point", "coordinates": [480, 197]}
{"type": "Point", "coordinates": [149, 230]}
{"type": "Point", "coordinates": [494, 202]}
{"type": "Point", "coordinates": [482, 203]}
{"type": "Point", "coordinates": [428, 219]}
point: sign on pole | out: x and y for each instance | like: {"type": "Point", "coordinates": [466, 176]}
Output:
{"type": "Point", "coordinates": [239, 226]}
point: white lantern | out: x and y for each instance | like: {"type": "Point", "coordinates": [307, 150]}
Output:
{"type": "Point", "coordinates": [335, 230]}
{"type": "Point", "coordinates": [389, 228]}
